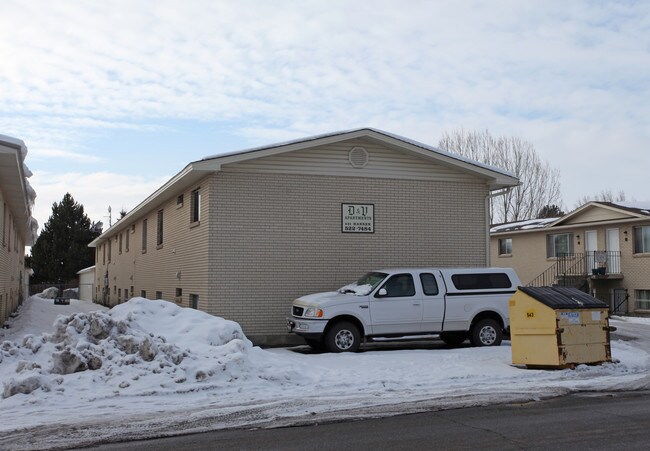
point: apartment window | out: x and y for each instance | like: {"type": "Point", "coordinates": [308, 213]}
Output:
{"type": "Point", "coordinates": [120, 245]}
{"type": "Point", "coordinates": [143, 294]}
{"type": "Point", "coordinates": [159, 229]}
{"type": "Point", "coordinates": [110, 244]}
{"type": "Point", "coordinates": [505, 246]}
{"type": "Point", "coordinates": [642, 298]}
{"type": "Point", "coordinates": [179, 201]}
{"type": "Point", "coordinates": [559, 244]}
{"type": "Point", "coordinates": [119, 295]}
{"type": "Point", "coordinates": [195, 210]}
{"type": "Point", "coordinates": [194, 301]}
{"type": "Point", "coordinates": [126, 294]}
{"type": "Point", "coordinates": [104, 254]}
{"type": "Point", "coordinates": [158, 294]}
{"type": "Point", "coordinates": [642, 240]}
{"type": "Point", "coordinates": [126, 244]}
{"type": "Point", "coordinates": [9, 234]}
{"type": "Point", "coordinates": [144, 235]}
{"type": "Point", "coordinates": [179, 295]}
{"type": "Point", "coordinates": [131, 291]}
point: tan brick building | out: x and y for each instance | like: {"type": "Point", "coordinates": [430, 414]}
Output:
{"type": "Point", "coordinates": [602, 247]}
{"type": "Point", "coordinates": [241, 235]}
{"type": "Point", "coordinates": [18, 228]}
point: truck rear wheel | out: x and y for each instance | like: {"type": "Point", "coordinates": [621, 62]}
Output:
{"type": "Point", "coordinates": [343, 337]}
{"type": "Point", "coordinates": [486, 332]}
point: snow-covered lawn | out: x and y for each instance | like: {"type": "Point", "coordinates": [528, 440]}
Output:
{"type": "Point", "coordinates": [149, 368]}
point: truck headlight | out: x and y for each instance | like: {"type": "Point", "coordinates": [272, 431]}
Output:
{"type": "Point", "coordinates": [313, 312]}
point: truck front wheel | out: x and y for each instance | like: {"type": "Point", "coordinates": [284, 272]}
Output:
{"type": "Point", "coordinates": [343, 337]}
{"type": "Point", "coordinates": [486, 332]}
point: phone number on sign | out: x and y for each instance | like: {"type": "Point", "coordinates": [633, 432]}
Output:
{"type": "Point", "coordinates": [357, 229]}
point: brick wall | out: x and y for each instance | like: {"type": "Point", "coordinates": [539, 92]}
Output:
{"type": "Point", "coordinates": [275, 237]}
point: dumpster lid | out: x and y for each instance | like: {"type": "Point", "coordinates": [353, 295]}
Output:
{"type": "Point", "coordinates": [563, 297]}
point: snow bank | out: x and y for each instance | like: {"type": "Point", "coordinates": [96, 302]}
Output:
{"type": "Point", "coordinates": [133, 347]}
{"type": "Point", "coordinates": [49, 293]}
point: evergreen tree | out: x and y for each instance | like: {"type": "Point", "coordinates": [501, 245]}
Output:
{"type": "Point", "coordinates": [550, 211]}
{"type": "Point", "coordinates": [62, 247]}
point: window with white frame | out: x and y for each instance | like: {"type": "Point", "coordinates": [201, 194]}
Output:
{"type": "Point", "coordinates": [559, 244]}
{"type": "Point", "coordinates": [505, 246]}
{"type": "Point", "coordinates": [642, 298]}
{"type": "Point", "coordinates": [642, 240]}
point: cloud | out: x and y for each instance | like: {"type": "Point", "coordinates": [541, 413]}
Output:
{"type": "Point", "coordinates": [565, 75]}
{"type": "Point", "coordinates": [41, 153]}
{"type": "Point", "coordinates": [95, 191]}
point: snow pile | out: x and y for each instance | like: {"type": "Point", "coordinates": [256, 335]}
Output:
{"type": "Point", "coordinates": [49, 293]}
{"type": "Point", "coordinates": [357, 290]}
{"type": "Point", "coordinates": [133, 347]}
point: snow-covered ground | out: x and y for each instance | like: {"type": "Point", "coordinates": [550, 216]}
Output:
{"type": "Point", "coordinates": [150, 368]}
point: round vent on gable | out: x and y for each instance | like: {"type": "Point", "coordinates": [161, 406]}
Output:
{"type": "Point", "coordinates": [358, 157]}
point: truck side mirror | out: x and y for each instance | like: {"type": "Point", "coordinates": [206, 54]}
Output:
{"type": "Point", "coordinates": [382, 292]}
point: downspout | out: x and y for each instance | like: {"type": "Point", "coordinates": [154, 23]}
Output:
{"type": "Point", "coordinates": [491, 194]}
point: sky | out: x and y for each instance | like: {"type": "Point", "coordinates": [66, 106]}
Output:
{"type": "Point", "coordinates": [149, 368]}
{"type": "Point", "coordinates": [114, 98]}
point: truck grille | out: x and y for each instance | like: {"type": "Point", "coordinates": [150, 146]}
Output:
{"type": "Point", "coordinates": [298, 311]}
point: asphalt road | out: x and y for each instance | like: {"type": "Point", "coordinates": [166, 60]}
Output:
{"type": "Point", "coordinates": [585, 421]}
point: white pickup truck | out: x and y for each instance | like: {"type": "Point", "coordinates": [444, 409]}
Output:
{"type": "Point", "coordinates": [454, 303]}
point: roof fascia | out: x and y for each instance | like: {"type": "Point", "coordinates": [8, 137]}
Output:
{"type": "Point", "coordinates": [549, 229]}
{"type": "Point", "coordinates": [595, 204]}
{"type": "Point", "coordinates": [188, 173]}
{"type": "Point", "coordinates": [20, 206]}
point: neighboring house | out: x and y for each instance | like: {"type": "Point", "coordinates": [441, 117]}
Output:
{"type": "Point", "coordinates": [601, 247]}
{"type": "Point", "coordinates": [86, 283]}
{"type": "Point", "coordinates": [18, 229]}
{"type": "Point", "coordinates": [241, 235]}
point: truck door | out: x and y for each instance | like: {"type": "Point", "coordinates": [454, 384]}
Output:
{"type": "Point", "coordinates": [433, 302]}
{"type": "Point", "coordinates": [399, 310]}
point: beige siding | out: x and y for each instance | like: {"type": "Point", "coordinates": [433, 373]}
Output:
{"type": "Point", "coordinates": [275, 237]}
{"type": "Point", "coordinates": [12, 261]}
{"type": "Point", "coordinates": [181, 261]}
{"type": "Point", "coordinates": [333, 159]}
{"type": "Point", "coordinates": [529, 257]}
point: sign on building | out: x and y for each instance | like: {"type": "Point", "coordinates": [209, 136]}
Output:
{"type": "Point", "coordinates": [357, 218]}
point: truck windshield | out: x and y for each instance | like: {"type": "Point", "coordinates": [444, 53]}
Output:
{"type": "Point", "coordinates": [372, 278]}
{"type": "Point", "coordinates": [364, 285]}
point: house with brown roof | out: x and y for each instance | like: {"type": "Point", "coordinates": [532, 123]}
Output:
{"type": "Point", "coordinates": [18, 228]}
{"type": "Point", "coordinates": [601, 247]}
{"type": "Point", "coordinates": [241, 235]}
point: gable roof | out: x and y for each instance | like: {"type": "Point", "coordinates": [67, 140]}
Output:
{"type": "Point", "coordinates": [620, 212]}
{"type": "Point", "coordinates": [501, 178]}
{"type": "Point", "coordinates": [494, 177]}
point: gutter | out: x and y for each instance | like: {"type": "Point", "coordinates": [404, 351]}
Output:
{"type": "Point", "coordinates": [490, 195]}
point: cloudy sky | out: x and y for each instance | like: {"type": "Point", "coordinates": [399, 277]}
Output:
{"type": "Point", "coordinates": [112, 98]}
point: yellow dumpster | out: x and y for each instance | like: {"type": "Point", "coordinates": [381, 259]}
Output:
{"type": "Point", "coordinates": [557, 327]}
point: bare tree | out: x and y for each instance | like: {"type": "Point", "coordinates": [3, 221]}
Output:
{"type": "Point", "coordinates": [540, 183]}
{"type": "Point", "coordinates": [603, 196]}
